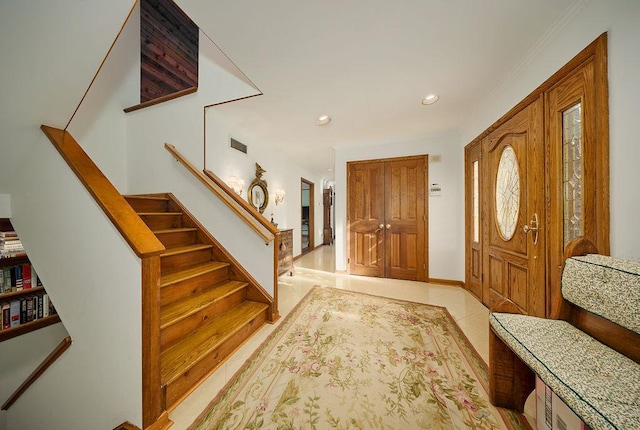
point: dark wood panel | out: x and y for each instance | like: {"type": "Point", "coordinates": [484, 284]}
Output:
{"type": "Point", "coordinates": [285, 254]}
{"type": "Point", "coordinates": [518, 285]}
{"type": "Point", "coordinates": [168, 50]}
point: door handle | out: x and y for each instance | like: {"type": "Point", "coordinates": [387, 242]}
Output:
{"type": "Point", "coordinates": [388, 226]}
{"type": "Point", "coordinates": [533, 227]}
{"type": "Point", "coordinates": [380, 227]}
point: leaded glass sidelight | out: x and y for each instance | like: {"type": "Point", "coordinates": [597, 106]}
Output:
{"type": "Point", "coordinates": [507, 193]}
{"type": "Point", "coordinates": [476, 202]}
{"type": "Point", "coordinates": [572, 169]}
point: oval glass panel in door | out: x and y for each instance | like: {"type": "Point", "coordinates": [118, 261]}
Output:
{"type": "Point", "coordinates": [507, 193]}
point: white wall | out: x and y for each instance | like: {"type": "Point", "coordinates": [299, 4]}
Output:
{"type": "Point", "coordinates": [280, 173]}
{"type": "Point", "coordinates": [446, 212]}
{"type": "Point", "coordinates": [5, 206]}
{"type": "Point", "coordinates": [620, 19]}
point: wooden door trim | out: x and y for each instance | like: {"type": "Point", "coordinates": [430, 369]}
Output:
{"type": "Point", "coordinates": [311, 216]}
{"type": "Point", "coordinates": [382, 160]}
{"type": "Point", "coordinates": [473, 153]}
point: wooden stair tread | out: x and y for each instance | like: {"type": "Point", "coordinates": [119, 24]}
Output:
{"type": "Point", "coordinates": [191, 272]}
{"type": "Point", "coordinates": [158, 213]}
{"type": "Point", "coordinates": [174, 230]}
{"type": "Point", "coordinates": [186, 248]}
{"type": "Point", "coordinates": [161, 197]}
{"type": "Point", "coordinates": [186, 353]}
{"type": "Point", "coordinates": [181, 309]}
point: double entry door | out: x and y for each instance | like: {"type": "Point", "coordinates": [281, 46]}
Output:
{"type": "Point", "coordinates": [387, 218]}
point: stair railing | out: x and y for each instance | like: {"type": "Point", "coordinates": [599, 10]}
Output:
{"type": "Point", "coordinates": [242, 209]}
{"type": "Point", "coordinates": [254, 219]}
{"type": "Point", "coordinates": [146, 246]}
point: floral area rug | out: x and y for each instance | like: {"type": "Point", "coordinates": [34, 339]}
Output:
{"type": "Point", "coordinates": [345, 360]}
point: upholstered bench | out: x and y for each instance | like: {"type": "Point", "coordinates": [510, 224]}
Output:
{"type": "Point", "coordinates": [589, 356]}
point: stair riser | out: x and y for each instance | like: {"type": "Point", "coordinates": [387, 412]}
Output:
{"type": "Point", "coordinates": [175, 332]}
{"type": "Point", "coordinates": [148, 205]}
{"type": "Point", "coordinates": [174, 292]}
{"type": "Point", "coordinates": [161, 222]}
{"type": "Point", "coordinates": [172, 262]}
{"type": "Point", "coordinates": [183, 385]}
{"type": "Point", "coordinates": [178, 238]}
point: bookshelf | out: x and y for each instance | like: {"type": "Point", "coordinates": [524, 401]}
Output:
{"type": "Point", "coordinates": [35, 293]}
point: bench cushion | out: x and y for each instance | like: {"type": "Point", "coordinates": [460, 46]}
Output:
{"type": "Point", "coordinates": [599, 384]}
{"type": "Point", "coordinates": [605, 286]}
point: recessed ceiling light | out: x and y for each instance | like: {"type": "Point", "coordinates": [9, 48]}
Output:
{"type": "Point", "coordinates": [323, 120]}
{"type": "Point", "coordinates": [430, 99]}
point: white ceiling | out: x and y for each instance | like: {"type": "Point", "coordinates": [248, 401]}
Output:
{"type": "Point", "coordinates": [368, 64]}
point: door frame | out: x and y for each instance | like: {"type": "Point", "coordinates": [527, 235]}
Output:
{"type": "Point", "coordinates": [311, 185]}
{"type": "Point", "coordinates": [473, 248]}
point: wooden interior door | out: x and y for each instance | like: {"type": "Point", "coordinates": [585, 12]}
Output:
{"type": "Point", "coordinates": [405, 219]}
{"type": "Point", "coordinates": [365, 214]}
{"type": "Point", "coordinates": [387, 218]}
{"type": "Point", "coordinates": [473, 218]}
{"type": "Point", "coordinates": [514, 257]}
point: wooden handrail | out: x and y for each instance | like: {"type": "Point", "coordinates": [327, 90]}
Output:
{"type": "Point", "coordinates": [143, 242]}
{"type": "Point", "coordinates": [242, 202]}
{"type": "Point", "coordinates": [162, 99]}
{"type": "Point", "coordinates": [51, 358]}
{"type": "Point", "coordinates": [226, 195]}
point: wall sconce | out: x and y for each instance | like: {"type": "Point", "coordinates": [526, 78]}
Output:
{"type": "Point", "coordinates": [236, 184]}
{"type": "Point", "coordinates": [279, 196]}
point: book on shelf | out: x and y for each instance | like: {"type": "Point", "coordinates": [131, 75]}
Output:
{"type": "Point", "coordinates": [40, 307]}
{"type": "Point", "coordinates": [12, 253]}
{"type": "Point", "coordinates": [15, 313]}
{"type": "Point", "coordinates": [7, 279]}
{"type": "Point", "coordinates": [46, 305]}
{"type": "Point", "coordinates": [13, 243]}
{"type": "Point", "coordinates": [35, 279]}
{"type": "Point", "coordinates": [26, 276]}
{"type": "Point", "coordinates": [6, 315]}
{"type": "Point", "coordinates": [6, 234]}
{"type": "Point", "coordinates": [19, 282]}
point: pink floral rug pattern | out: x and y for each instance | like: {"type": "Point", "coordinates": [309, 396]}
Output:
{"type": "Point", "coordinates": [345, 360]}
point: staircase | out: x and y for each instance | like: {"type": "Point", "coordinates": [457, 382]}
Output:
{"type": "Point", "coordinates": [209, 305]}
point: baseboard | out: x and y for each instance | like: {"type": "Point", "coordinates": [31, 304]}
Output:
{"type": "Point", "coordinates": [446, 282]}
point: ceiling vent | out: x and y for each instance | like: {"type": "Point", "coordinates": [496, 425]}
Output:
{"type": "Point", "coordinates": [238, 145]}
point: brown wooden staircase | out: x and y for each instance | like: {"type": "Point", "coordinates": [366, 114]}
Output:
{"type": "Point", "coordinates": [209, 305]}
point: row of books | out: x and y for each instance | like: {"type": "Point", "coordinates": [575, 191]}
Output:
{"type": "Point", "coordinates": [10, 245]}
{"type": "Point", "coordinates": [26, 309]}
{"type": "Point", "coordinates": [18, 277]}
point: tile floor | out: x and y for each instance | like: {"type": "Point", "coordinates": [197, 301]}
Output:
{"type": "Point", "coordinates": [317, 268]}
